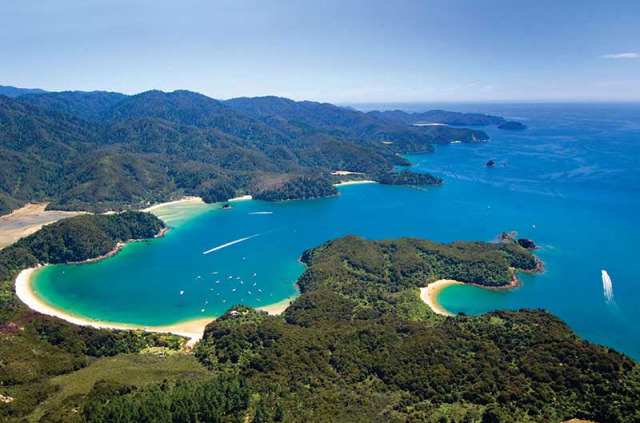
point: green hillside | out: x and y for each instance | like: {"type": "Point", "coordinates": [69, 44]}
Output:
{"type": "Point", "coordinates": [101, 151]}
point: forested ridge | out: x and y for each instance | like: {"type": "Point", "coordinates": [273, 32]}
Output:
{"type": "Point", "coordinates": [358, 345]}
{"type": "Point", "coordinates": [102, 151]}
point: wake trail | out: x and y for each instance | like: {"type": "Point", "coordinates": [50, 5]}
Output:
{"type": "Point", "coordinates": [607, 287]}
{"type": "Point", "coordinates": [228, 244]}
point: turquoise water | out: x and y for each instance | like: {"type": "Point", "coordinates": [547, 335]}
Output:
{"type": "Point", "coordinates": [572, 185]}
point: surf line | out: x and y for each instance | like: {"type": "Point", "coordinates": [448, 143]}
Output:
{"type": "Point", "coordinates": [228, 244]}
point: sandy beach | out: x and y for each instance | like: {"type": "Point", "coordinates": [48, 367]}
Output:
{"type": "Point", "coordinates": [192, 329]}
{"type": "Point", "coordinates": [345, 172]}
{"type": "Point", "coordinates": [279, 307]}
{"type": "Point", "coordinates": [241, 198]}
{"type": "Point", "coordinates": [185, 200]}
{"type": "Point", "coordinates": [27, 220]}
{"type": "Point", "coordinates": [366, 181]}
{"type": "Point", "coordinates": [429, 295]}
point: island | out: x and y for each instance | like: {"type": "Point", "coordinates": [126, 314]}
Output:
{"type": "Point", "coordinates": [512, 126]}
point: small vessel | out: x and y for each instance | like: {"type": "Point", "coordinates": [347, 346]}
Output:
{"type": "Point", "coordinates": [181, 292]}
{"type": "Point", "coordinates": [254, 284]}
{"type": "Point", "coordinates": [233, 290]}
{"type": "Point", "coordinates": [202, 311]}
{"type": "Point", "coordinates": [217, 281]}
{"type": "Point", "coordinates": [230, 277]}
{"type": "Point", "coordinates": [254, 275]}
{"type": "Point", "coordinates": [241, 283]}
{"type": "Point", "coordinates": [249, 292]}
{"type": "Point", "coordinates": [214, 273]}
{"type": "Point", "coordinates": [259, 290]}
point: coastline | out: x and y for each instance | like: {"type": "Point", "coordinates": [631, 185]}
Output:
{"type": "Point", "coordinates": [278, 308]}
{"type": "Point", "coordinates": [429, 295]}
{"type": "Point", "coordinates": [241, 198]}
{"type": "Point", "coordinates": [366, 181]}
{"type": "Point", "coordinates": [183, 200]}
{"type": "Point", "coordinates": [192, 328]}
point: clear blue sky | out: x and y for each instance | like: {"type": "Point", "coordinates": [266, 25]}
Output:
{"type": "Point", "coordinates": [337, 51]}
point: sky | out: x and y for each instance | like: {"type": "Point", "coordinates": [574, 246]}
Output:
{"type": "Point", "coordinates": [327, 50]}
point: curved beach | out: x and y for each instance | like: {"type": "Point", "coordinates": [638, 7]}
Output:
{"type": "Point", "coordinates": [192, 329]}
{"type": "Point", "coordinates": [429, 295]}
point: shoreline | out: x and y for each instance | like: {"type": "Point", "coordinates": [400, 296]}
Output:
{"type": "Point", "coordinates": [183, 200]}
{"type": "Point", "coordinates": [191, 328]}
{"type": "Point", "coordinates": [278, 308]}
{"type": "Point", "coordinates": [365, 181]}
{"type": "Point", "coordinates": [429, 295]}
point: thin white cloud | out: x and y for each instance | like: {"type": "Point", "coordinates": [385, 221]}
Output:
{"type": "Point", "coordinates": [620, 56]}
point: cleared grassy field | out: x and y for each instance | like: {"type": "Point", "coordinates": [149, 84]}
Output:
{"type": "Point", "coordinates": [131, 369]}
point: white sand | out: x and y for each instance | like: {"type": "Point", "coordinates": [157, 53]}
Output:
{"type": "Point", "coordinates": [185, 200]}
{"type": "Point", "coordinates": [241, 198]}
{"type": "Point", "coordinates": [354, 182]}
{"type": "Point", "coordinates": [279, 307]}
{"type": "Point", "coordinates": [346, 172]}
{"type": "Point", "coordinates": [429, 295]}
{"type": "Point", "coordinates": [192, 329]}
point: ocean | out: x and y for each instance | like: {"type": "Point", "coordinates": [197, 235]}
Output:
{"type": "Point", "coordinates": [570, 182]}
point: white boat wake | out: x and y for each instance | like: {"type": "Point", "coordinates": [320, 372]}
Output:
{"type": "Point", "coordinates": [228, 244]}
{"type": "Point", "coordinates": [265, 212]}
{"type": "Point", "coordinates": [607, 286]}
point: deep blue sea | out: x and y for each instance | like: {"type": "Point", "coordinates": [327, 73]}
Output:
{"type": "Point", "coordinates": [572, 184]}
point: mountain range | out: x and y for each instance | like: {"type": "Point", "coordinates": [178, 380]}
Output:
{"type": "Point", "coordinates": [101, 150]}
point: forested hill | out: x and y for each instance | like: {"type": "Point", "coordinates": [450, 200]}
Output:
{"type": "Point", "coordinates": [10, 91]}
{"type": "Point", "coordinates": [102, 150]}
{"type": "Point", "coordinates": [358, 345]}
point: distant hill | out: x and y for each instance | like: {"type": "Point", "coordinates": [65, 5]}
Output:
{"type": "Point", "coordinates": [439, 116]}
{"type": "Point", "coordinates": [10, 91]}
{"type": "Point", "coordinates": [103, 150]}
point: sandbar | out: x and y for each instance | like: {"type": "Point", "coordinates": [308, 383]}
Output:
{"type": "Point", "coordinates": [429, 295]}
{"type": "Point", "coordinates": [27, 220]}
